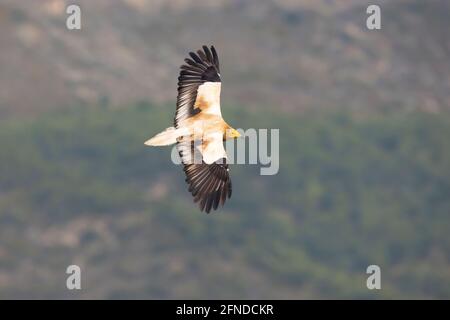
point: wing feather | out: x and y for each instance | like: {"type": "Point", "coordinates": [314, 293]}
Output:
{"type": "Point", "coordinates": [210, 184]}
{"type": "Point", "coordinates": [201, 67]}
{"type": "Point", "coordinates": [215, 58]}
{"type": "Point", "coordinates": [209, 57]}
{"type": "Point", "coordinates": [197, 59]}
{"type": "Point", "coordinates": [208, 177]}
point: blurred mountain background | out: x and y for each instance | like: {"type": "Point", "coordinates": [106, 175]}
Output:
{"type": "Point", "coordinates": [364, 151]}
{"type": "Point", "coordinates": [293, 55]}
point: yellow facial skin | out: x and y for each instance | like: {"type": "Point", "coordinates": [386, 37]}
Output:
{"type": "Point", "coordinates": [232, 134]}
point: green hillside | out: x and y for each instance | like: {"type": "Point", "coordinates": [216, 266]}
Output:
{"type": "Point", "coordinates": [80, 187]}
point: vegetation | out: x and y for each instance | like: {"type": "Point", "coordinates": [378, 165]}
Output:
{"type": "Point", "coordinates": [80, 187]}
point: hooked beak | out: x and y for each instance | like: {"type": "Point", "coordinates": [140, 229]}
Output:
{"type": "Point", "coordinates": [236, 134]}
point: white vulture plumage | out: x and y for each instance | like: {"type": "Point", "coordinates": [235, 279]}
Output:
{"type": "Point", "coordinates": [199, 129]}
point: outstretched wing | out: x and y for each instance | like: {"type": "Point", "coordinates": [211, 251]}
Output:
{"type": "Point", "coordinates": [206, 170]}
{"type": "Point", "coordinates": [199, 91]}
{"type": "Point", "coordinates": [198, 85]}
{"type": "Point", "coordinates": [210, 184]}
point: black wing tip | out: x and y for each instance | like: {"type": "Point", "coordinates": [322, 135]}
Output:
{"type": "Point", "coordinates": [206, 54]}
{"type": "Point", "coordinates": [204, 64]}
{"type": "Point", "coordinates": [210, 186]}
{"type": "Point", "coordinates": [211, 47]}
{"type": "Point", "coordinates": [211, 201]}
{"type": "Point", "coordinates": [215, 200]}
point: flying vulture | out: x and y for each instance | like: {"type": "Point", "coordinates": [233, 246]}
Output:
{"type": "Point", "coordinates": [199, 130]}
